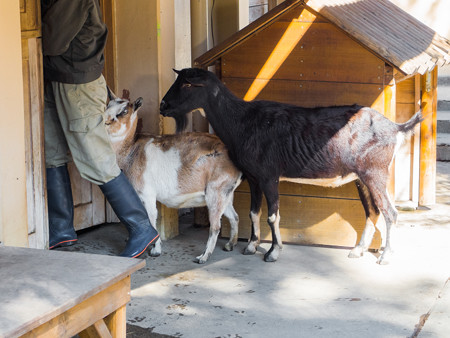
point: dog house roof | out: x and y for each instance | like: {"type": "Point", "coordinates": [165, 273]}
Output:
{"type": "Point", "coordinates": [379, 25]}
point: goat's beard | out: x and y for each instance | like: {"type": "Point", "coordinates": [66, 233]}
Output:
{"type": "Point", "coordinates": [181, 122]}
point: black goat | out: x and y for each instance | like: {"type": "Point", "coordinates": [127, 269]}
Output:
{"type": "Point", "coordinates": [271, 141]}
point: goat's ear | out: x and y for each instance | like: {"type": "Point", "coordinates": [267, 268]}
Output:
{"type": "Point", "coordinates": [138, 103]}
{"type": "Point", "coordinates": [176, 71]}
{"type": "Point", "coordinates": [111, 95]}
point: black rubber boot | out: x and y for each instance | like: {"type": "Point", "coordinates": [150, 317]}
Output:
{"type": "Point", "coordinates": [60, 208]}
{"type": "Point", "coordinates": [128, 207]}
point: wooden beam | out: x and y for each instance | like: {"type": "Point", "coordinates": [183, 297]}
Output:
{"type": "Point", "coordinates": [109, 17]}
{"type": "Point", "coordinates": [102, 329]}
{"type": "Point", "coordinates": [390, 112]}
{"type": "Point", "coordinates": [415, 146]}
{"type": "Point", "coordinates": [427, 182]}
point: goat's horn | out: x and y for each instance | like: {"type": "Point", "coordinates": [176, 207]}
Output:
{"type": "Point", "coordinates": [111, 95]}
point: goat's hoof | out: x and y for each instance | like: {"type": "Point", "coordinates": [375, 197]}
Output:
{"type": "Point", "coordinates": [199, 261]}
{"type": "Point", "coordinates": [250, 248]}
{"type": "Point", "coordinates": [383, 260]}
{"type": "Point", "coordinates": [273, 254]}
{"type": "Point", "coordinates": [202, 259]}
{"type": "Point", "coordinates": [154, 252]}
{"type": "Point", "coordinates": [248, 251]}
{"type": "Point", "coordinates": [228, 247]}
{"type": "Point", "coordinates": [268, 257]}
{"type": "Point", "coordinates": [155, 249]}
{"type": "Point", "coordinates": [356, 252]}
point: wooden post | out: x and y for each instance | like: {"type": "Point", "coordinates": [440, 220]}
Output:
{"type": "Point", "coordinates": [174, 51]}
{"type": "Point", "coordinates": [390, 112]}
{"type": "Point", "coordinates": [415, 144]}
{"type": "Point", "coordinates": [427, 180]}
{"type": "Point", "coordinates": [109, 17]}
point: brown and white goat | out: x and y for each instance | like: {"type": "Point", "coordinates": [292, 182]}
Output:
{"type": "Point", "coordinates": [180, 171]}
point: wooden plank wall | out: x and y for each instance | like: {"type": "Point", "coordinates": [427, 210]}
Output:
{"type": "Point", "coordinates": [325, 67]}
{"type": "Point", "coordinates": [325, 60]}
{"type": "Point", "coordinates": [88, 201]}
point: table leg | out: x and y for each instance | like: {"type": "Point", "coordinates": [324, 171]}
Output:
{"type": "Point", "coordinates": [117, 322]}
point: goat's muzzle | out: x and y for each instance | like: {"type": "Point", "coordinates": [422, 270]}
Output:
{"type": "Point", "coordinates": [163, 107]}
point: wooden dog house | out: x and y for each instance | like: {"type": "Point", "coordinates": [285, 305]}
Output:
{"type": "Point", "coordinates": [320, 53]}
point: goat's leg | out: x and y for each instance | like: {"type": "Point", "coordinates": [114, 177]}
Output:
{"type": "Point", "coordinates": [372, 214]}
{"type": "Point", "coordinates": [233, 218]}
{"type": "Point", "coordinates": [255, 216]}
{"type": "Point", "coordinates": [149, 202]}
{"type": "Point", "coordinates": [216, 201]}
{"type": "Point", "coordinates": [272, 198]}
{"type": "Point", "coordinates": [390, 216]}
{"type": "Point", "coordinates": [214, 229]}
{"type": "Point", "coordinates": [378, 190]}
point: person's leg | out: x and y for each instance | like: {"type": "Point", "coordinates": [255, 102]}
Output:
{"type": "Point", "coordinates": [81, 109]}
{"type": "Point", "coordinates": [59, 192]}
{"type": "Point", "coordinates": [129, 208]}
{"type": "Point", "coordinates": [60, 208]}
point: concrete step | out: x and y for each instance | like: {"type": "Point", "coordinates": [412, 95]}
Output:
{"type": "Point", "coordinates": [443, 93]}
{"type": "Point", "coordinates": [443, 80]}
{"type": "Point", "coordinates": [443, 121]}
{"type": "Point", "coordinates": [443, 146]}
{"type": "Point", "coordinates": [443, 88]}
{"type": "Point", "coordinates": [443, 135]}
{"type": "Point", "coordinates": [443, 115]}
{"type": "Point", "coordinates": [444, 104]}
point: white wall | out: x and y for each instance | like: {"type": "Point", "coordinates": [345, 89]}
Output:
{"type": "Point", "coordinates": [433, 13]}
{"type": "Point", "coordinates": [13, 206]}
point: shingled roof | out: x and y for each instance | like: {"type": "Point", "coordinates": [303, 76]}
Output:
{"type": "Point", "coordinates": [379, 25]}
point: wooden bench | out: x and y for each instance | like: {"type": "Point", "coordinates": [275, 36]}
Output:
{"type": "Point", "coordinates": [60, 294]}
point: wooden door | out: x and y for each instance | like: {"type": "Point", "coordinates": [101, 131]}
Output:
{"type": "Point", "coordinates": [34, 125]}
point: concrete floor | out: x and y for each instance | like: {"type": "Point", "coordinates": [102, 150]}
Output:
{"type": "Point", "coordinates": [308, 292]}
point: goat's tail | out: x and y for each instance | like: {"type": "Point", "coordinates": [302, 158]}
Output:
{"type": "Point", "coordinates": [409, 125]}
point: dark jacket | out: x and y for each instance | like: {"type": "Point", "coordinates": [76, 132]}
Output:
{"type": "Point", "coordinates": [73, 39]}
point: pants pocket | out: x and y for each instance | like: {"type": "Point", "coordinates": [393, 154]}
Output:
{"type": "Point", "coordinates": [85, 124]}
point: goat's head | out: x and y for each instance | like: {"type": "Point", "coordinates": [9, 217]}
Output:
{"type": "Point", "coordinates": [121, 116]}
{"type": "Point", "coordinates": [188, 93]}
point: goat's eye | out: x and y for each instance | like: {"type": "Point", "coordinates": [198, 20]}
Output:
{"type": "Point", "coordinates": [123, 112]}
{"type": "Point", "coordinates": [187, 85]}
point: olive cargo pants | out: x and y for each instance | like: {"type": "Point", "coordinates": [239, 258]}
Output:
{"type": "Point", "coordinates": [74, 129]}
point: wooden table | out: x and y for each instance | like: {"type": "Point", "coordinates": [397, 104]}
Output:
{"type": "Point", "coordinates": [59, 294]}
